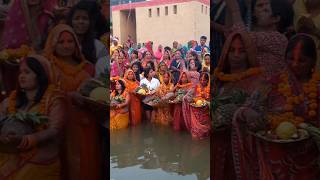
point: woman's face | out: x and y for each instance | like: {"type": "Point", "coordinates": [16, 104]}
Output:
{"type": "Point", "coordinates": [135, 68]}
{"type": "Point", "coordinates": [27, 78]}
{"type": "Point", "coordinates": [160, 48]}
{"type": "Point", "coordinates": [166, 55]}
{"type": "Point", "coordinates": [178, 55]}
{"type": "Point", "coordinates": [203, 80]}
{"type": "Point", "coordinates": [151, 73]}
{"type": "Point", "coordinates": [33, 2]}
{"type": "Point", "coordinates": [148, 55]}
{"type": "Point", "coordinates": [207, 59]}
{"type": "Point", "coordinates": [66, 45]}
{"type": "Point", "coordinates": [300, 64]}
{"type": "Point", "coordinates": [263, 13]}
{"type": "Point", "coordinates": [133, 56]}
{"type": "Point", "coordinates": [184, 78]}
{"type": "Point", "coordinates": [130, 75]}
{"type": "Point", "coordinates": [80, 22]}
{"type": "Point", "coordinates": [237, 55]}
{"type": "Point", "coordinates": [163, 67]}
{"type": "Point", "coordinates": [118, 86]}
{"type": "Point", "coordinates": [166, 78]}
{"type": "Point", "coordinates": [115, 53]}
{"type": "Point", "coordinates": [193, 65]}
{"type": "Point", "coordinates": [139, 55]}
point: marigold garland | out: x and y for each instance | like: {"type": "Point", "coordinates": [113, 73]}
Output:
{"type": "Point", "coordinates": [203, 92]}
{"type": "Point", "coordinates": [310, 92]}
{"type": "Point", "coordinates": [237, 76]}
{"type": "Point", "coordinates": [23, 51]}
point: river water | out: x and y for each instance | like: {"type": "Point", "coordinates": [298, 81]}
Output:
{"type": "Point", "coordinates": [155, 152]}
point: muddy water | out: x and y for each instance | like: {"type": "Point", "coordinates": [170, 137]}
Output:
{"type": "Point", "coordinates": [155, 152]}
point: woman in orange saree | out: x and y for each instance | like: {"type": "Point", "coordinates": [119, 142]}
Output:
{"type": "Point", "coordinates": [183, 86]}
{"type": "Point", "coordinates": [135, 107]}
{"type": "Point", "coordinates": [120, 98]}
{"type": "Point", "coordinates": [163, 113]}
{"type": "Point", "coordinates": [38, 155]}
{"type": "Point", "coordinates": [197, 119]}
{"type": "Point", "coordinates": [70, 70]}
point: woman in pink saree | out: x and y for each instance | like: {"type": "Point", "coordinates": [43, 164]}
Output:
{"type": "Point", "coordinates": [159, 53]}
{"type": "Point", "coordinates": [119, 65]}
{"type": "Point", "coordinates": [27, 23]}
{"type": "Point", "coordinates": [295, 160]}
{"type": "Point", "coordinates": [194, 74]}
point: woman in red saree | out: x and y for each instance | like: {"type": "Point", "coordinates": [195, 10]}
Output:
{"type": "Point", "coordinates": [33, 18]}
{"type": "Point", "coordinates": [39, 152]}
{"type": "Point", "coordinates": [182, 87]}
{"type": "Point", "coordinates": [296, 160]}
{"type": "Point", "coordinates": [197, 120]}
{"type": "Point", "coordinates": [135, 107]}
{"type": "Point", "coordinates": [237, 70]}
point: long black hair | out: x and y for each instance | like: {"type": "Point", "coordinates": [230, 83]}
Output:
{"type": "Point", "coordinates": [140, 69]}
{"type": "Point", "coordinates": [87, 44]}
{"type": "Point", "coordinates": [123, 86]}
{"type": "Point", "coordinates": [42, 80]}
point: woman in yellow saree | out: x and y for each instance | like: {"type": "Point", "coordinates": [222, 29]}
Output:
{"type": "Point", "coordinates": [119, 115]}
{"type": "Point", "coordinates": [38, 153]}
{"type": "Point", "coordinates": [135, 107]}
{"type": "Point", "coordinates": [163, 114]}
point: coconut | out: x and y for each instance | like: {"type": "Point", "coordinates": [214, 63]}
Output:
{"type": "Point", "coordinates": [99, 94]}
{"type": "Point", "coordinates": [286, 130]}
{"type": "Point", "coordinates": [199, 102]}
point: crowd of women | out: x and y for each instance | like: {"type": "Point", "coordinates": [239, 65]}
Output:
{"type": "Point", "coordinates": [58, 51]}
{"type": "Point", "coordinates": [177, 76]}
{"type": "Point", "coordinates": [269, 50]}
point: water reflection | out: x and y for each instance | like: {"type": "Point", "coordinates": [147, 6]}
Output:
{"type": "Point", "coordinates": [153, 152]}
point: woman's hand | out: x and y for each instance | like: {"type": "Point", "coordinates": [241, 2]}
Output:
{"type": "Point", "coordinates": [27, 142]}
